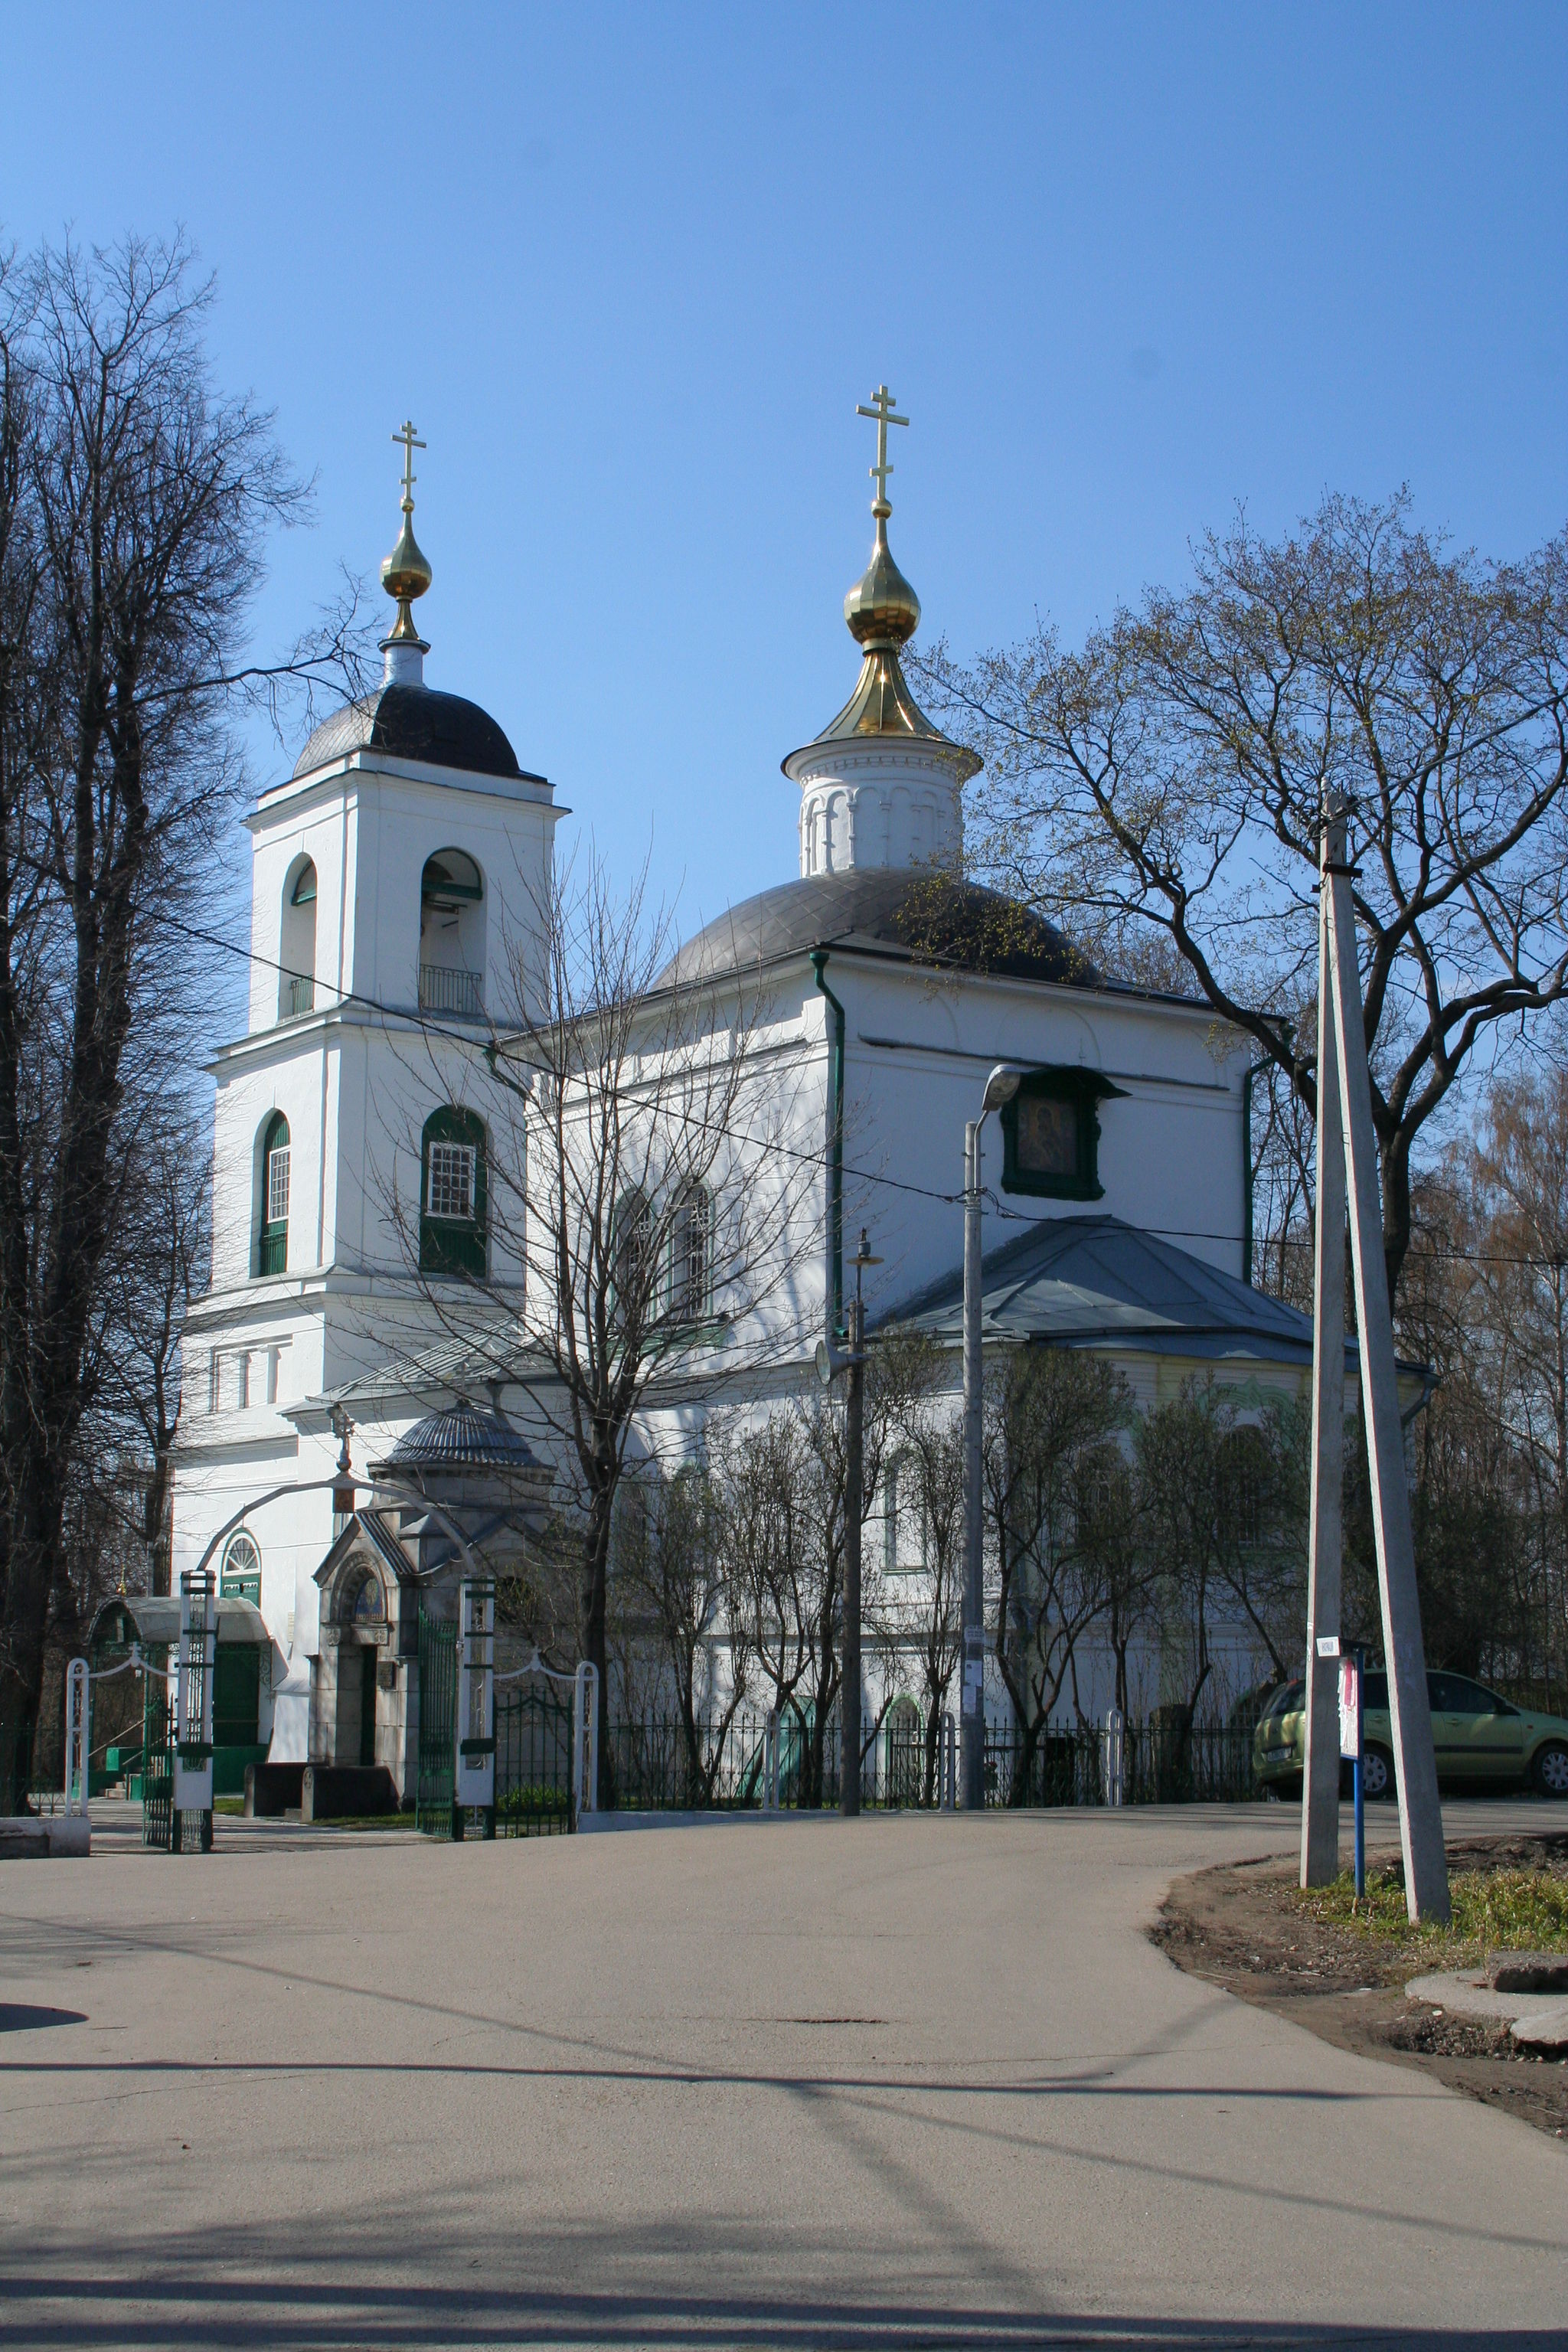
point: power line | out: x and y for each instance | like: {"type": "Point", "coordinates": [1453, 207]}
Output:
{"type": "Point", "coordinates": [428, 1028]}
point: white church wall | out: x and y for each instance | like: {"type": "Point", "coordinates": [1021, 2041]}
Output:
{"type": "Point", "coordinates": [918, 1049]}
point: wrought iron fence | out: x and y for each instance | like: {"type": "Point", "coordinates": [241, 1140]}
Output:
{"type": "Point", "coordinates": [652, 1766]}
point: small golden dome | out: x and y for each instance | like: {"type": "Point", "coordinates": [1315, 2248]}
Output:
{"type": "Point", "coordinates": [882, 609]}
{"type": "Point", "coordinates": [406, 572]}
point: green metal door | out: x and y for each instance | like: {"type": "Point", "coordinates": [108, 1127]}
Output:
{"type": "Point", "coordinates": [435, 1810]}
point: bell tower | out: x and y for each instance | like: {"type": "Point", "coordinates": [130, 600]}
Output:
{"type": "Point", "coordinates": [881, 786]}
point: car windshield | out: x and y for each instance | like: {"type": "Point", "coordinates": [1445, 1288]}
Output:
{"type": "Point", "coordinates": [1286, 1700]}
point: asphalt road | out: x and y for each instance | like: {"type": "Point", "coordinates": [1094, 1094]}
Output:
{"type": "Point", "coordinates": [907, 2080]}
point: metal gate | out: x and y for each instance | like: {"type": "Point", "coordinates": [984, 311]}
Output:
{"type": "Point", "coordinates": [533, 1760]}
{"type": "Point", "coordinates": [157, 1757]}
{"type": "Point", "coordinates": [905, 1753]}
{"type": "Point", "coordinates": [436, 1808]}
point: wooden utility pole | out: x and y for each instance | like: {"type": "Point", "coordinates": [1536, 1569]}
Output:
{"type": "Point", "coordinates": [1420, 1813]}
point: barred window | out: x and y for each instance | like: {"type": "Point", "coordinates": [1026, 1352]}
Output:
{"type": "Point", "coordinates": [451, 1180]}
{"type": "Point", "coordinates": [453, 1194]}
{"type": "Point", "coordinates": [272, 1182]}
{"type": "Point", "coordinates": [691, 1249]}
{"type": "Point", "coordinates": [278, 1186]}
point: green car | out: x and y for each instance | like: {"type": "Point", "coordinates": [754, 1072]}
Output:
{"type": "Point", "coordinates": [1479, 1737]}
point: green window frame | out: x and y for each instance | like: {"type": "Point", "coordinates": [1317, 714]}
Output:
{"type": "Point", "coordinates": [453, 1189]}
{"type": "Point", "coordinates": [272, 1255]}
{"type": "Point", "coordinates": [1082, 1090]}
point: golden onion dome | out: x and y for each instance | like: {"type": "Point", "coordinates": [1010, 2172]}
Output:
{"type": "Point", "coordinates": [405, 573]}
{"type": "Point", "coordinates": [882, 609]}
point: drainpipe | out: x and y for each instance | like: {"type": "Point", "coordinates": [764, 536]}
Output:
{"type": "Point", "coordinates": [834, 1151]}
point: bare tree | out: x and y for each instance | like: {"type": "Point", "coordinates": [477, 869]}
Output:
{"type": "Point", "coordinates": [675, 1585]}
{"type": "Point", "coordinates": [1165, 783]}
{"type": "Point", "coordinates": [134, 501]}
{"type": "Point", "coordinates": [1049, 1412]}
{"type": "Point", "coordinates": [919, 1608]}
{"type": "Point", "coordinates": [641, 1182]}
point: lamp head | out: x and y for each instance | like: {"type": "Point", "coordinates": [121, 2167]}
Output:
{"type": "Point", "coordinates": [1002, 1086]}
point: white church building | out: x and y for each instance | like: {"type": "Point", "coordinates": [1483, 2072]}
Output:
{"type": "Point", "coordinates": [394, 873]}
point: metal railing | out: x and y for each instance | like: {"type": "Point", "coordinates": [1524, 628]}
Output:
{"type": "Point", "coordinates": [443, 989]}
{"type": "Point", "coordinates": [652, 1767]}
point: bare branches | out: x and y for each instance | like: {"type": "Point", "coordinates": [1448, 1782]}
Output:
{"type": "Point", "coordinates": [135, 504]}
{"type": "Point", "coordinates": [1166, 781]}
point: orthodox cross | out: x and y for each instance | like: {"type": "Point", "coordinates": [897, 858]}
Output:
{"type": "Point", "coordinates": [405, 435]}
{"type": "Point", "coordinates": [882, 409]}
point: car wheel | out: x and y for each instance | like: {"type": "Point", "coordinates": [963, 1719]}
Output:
{"type": "Point", "coordinates": [1377, 1776]}
{"type": "Point", "coordinates": [1549, 1768]}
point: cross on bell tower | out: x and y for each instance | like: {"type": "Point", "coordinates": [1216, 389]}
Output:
{"type": "Point", "coordinates": [882, 412]}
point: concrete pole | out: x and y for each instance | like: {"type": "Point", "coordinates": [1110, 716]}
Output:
{"type": "Point", "coordinates": [854, 1493]}
{"type": "Point", "coordinates": [972, 1713]}
{"type": "Point", "coordinates": [1420, 1813]}
{"type": "Point", "coordinates": [1321, 1780]}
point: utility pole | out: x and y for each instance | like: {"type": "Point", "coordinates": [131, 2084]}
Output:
{"type": "Point", "coordinates": [1420, 1812]}
{"type": "Point", "coordinates": [1000, 1087]}
{"type": "Point", "coordinates": [1320, 1777]}
{"type": "Point", "coordinates": [829, 1362]}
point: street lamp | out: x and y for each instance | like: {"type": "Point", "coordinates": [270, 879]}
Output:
{"type": "Point", "coordinates": [829, 1362]}
{"type": "Point", "coordinates": [1000, 1087]}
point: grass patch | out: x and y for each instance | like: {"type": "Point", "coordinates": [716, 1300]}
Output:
{"type": "Point", "coordinates": [1494, 1911]}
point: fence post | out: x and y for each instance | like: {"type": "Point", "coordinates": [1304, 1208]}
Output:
{"type": "Point", "coordinates": [474, 1781]}
{"type": "Point", "coordinates": [949, 1763]}
{"type": "Point", "coordinates": [76, 1722]}
{"type": "Point", "coordinates": [771, 1761]}
{"type": "Point", "coordinates": [1115, 1756]}
{"type": "Point", "coordinates": [585, 1742]}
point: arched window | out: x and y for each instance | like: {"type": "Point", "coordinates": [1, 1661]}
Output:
{"type": "Point", "coordinates": [297, 951]}
{"type": "Point", "coordinates": [691, 1257]}
{"type": "Point", "coordinates": [370, 1602]}
{"type": "Point", "coordinates": [1244, 1486]}
{"type": "Point", "coordinates": [273, 1256]}
{"type": "Point", "coordinates": [904, 1540]}
{"type": "Point", "coordinates": [452, 1193]}
{"type": "Point", "coordinates": [240, 1578]}
{"type": "Point", "coordinates": [633, 1245]}
{"type": "Point", "coordinates": [452, 935]}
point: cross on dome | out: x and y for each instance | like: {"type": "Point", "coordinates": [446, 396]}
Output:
{"type": "Point", "coordinates": [406, 436]}
{"type": "Point", "coordinates": [882, 412]}
{"type": "Point", "coordinates": [404, 575]}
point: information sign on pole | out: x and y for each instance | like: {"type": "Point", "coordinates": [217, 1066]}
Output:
{"type": "Point", "coordinates": [1353, 1749]}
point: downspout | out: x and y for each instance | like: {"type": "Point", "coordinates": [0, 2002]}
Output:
{"type": "Point", "coordinates": [835, 1149]}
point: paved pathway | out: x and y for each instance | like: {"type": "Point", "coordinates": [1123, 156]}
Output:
{"type": "Point", "coordinates": [900, 2082]}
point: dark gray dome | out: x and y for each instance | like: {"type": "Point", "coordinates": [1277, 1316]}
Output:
{"type": "Point", "coordinates": [415, 722]}
{"type": "Point", "coordinates": [462, 1438]}
{"type": "Point", "coordinates": [922, 916]}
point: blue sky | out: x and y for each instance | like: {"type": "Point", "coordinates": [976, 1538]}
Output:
{"type": "Point", "coordinates": [630, 270]}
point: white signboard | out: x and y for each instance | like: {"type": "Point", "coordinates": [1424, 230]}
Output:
{"type": "Point", "coordinates": [1350, 1708]}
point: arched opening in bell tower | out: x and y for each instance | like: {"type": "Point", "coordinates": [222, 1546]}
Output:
{"type": "Point", "coordinates": [452, 935]}
{"type": "Point", "coordinates": [297, 950]}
